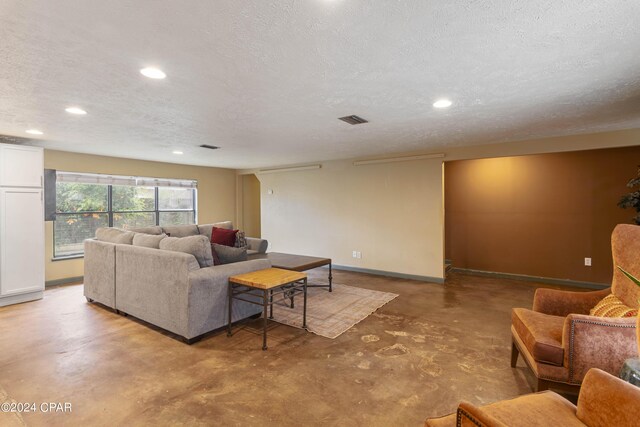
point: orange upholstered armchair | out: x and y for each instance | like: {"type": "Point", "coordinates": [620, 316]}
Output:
{"type": "Point", "coordinates": [604, 401]}
{"type": "Point", "coordinates": [560, 341]}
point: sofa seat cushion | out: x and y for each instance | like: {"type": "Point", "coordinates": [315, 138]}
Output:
{"type": "Point", "coordinates": [114, 235]}
{"type": "Point", "coordinates": [198, 246]}
{"type": "Point", "coordinates": [541, 334]}
{"type": "Point", "coordinates": [181, 230]}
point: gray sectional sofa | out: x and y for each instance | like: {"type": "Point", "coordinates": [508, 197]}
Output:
{"type": "Point", "coordinates": [166, 288]}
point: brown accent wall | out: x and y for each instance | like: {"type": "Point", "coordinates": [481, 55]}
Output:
{"type": "Point", "coordinates": [538, 215]}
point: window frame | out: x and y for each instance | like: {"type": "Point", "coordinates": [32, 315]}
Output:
{"type": "Point", "coordinates": [110, 213]}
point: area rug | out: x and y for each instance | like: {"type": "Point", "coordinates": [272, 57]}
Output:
{"type": "Point", "coordinates": [329, 314]}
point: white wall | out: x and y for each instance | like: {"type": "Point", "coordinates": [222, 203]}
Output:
{"type": "Point", "coordinates": [392, 213]}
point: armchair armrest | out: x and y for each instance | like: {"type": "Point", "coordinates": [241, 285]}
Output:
{"type": "Point", "coordinates": [597, 342]}
{"type": "Point", "coordinates": [608, 401]}
{"type": "Point", "coordinates": [472, 416]}
{"type": "Point", "coordinates": [563, 303]}
{"type": "Point", "coordinates": [257, 244]}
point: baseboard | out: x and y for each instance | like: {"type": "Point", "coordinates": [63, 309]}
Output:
{"type": "Point", "coordinates": [390, 274]}
{"type": "Point", "coordinates": [20, 298]}
{"type": "Point", "coordinates": [50, 283]}
{"type": "Point", "coordinates": [527, 278]}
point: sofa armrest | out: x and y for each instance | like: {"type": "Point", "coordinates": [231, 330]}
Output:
{"type": "Point", "coordinates": [472, 416]}
{"type": "Point", "coordinates": [608, 401]}
{"type": "Point", "coordinates": [597, 342]}
{"type": "Point", "coordinates": [257, 244]}
{"type": "Point", "coordinates": [563, 303]}
{"type": "Point", "coordinates": [100, 272]}
{"type": "Point", "coordinates": [153, 285]}
{"type": "Point", "coordinates": [208, 297]}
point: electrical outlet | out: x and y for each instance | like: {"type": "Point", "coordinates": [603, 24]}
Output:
{"type": "Point", "coordinates": [587, 262]}
{"type": "Point", "coordinates": [355, 254]}
{"type": "Point", "coordinates": [358, 254]}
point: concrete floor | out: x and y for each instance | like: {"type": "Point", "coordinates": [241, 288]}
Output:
{"type": "Point", "coordinates": [416, 357]}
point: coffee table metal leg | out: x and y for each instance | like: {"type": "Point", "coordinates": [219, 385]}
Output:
{"type": "Point", "coordinates": [304, 307]}
{"type": "Point", "coordinates": [271, 304]}
{"type": "Point", "coordinates": [330, 279]}
{"type": "Point", "coordinates": [230, 302]}
{"type": "Point", "coordinates": [265, 302]}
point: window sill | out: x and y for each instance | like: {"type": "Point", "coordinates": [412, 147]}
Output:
{"type": "Point", "coordinates": [68, 257]}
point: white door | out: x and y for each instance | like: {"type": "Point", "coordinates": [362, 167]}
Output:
{"type": "Point", "coordinates": [21, 166]}
{"type": "Point", "coordinates": [21, 241]}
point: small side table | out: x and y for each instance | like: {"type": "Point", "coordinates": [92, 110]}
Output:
{"type": "Point", "coordinates": [630, 371]}
{"type": "Point", "coordinates": [260, 285]}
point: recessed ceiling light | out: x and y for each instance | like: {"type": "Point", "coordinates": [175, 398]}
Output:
{"type": "Point", "coordinates": [75, 110]}
{"type": "Point", "coordinates": [177, 152]}
{"type": "Point", "coordinates": [442, 103]}
{"type": "Point", "coordinates": [35, 132]}
{"type": "Point", "coordinates": [153, 73]}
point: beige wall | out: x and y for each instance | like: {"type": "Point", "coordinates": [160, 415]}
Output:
{"type": "Point", "coordinates": [216, 193]}
{"type": "Point", "coordinates": [392, 213]}
{"type": "Point", "coordinates": [250, 207]}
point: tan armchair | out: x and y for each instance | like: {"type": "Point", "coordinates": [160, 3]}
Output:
{"type": "Point", "coordinates": [560, 341]}
{"type": "Point", "coordinates": [604, 401]}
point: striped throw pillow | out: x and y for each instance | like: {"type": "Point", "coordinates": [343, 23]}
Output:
{"type": "Point", "coordinates": [611, 306]}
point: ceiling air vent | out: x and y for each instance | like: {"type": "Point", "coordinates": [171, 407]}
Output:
{"type": "Point", "coordinates": [210, 147]}
{"type": "Point", "coordinates": [353, 120]}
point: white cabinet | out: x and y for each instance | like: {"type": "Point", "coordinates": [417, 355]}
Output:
{"type": "Point", "coordinates": [21, 224]}
{"type": "Point", "coordinates": [21, 166]}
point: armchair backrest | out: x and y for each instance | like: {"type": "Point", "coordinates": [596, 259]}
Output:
{"type": "Point", "coordinates": [625, 248]}
{"type": "Point", "coordinates": [605, 400]}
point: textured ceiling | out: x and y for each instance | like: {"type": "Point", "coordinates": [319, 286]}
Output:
{"type": "Point", "coordinates": [267, 80]}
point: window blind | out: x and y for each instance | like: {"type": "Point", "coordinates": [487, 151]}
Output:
{"type": "Point", "coordinates": [90, 178]}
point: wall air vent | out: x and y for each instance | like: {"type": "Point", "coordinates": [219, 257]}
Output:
{"type": "Point", "coordinates": [353, 120]}
{"type": "Point", "coordinates": [210, 147]}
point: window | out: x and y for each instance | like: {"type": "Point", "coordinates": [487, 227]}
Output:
{"type": "Point", "coordinates": [85, 202]}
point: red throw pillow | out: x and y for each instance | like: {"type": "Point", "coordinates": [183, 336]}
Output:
{"type": "Point", "coordinates": [222, 236]}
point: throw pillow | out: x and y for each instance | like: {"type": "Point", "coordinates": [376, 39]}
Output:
{"type": "Point", "coordinates": [228, 255]}
{"type": "Point", "coordinates": [205, 229]}
{"type": "Point", "coordinates": [223, 236]}
{"type": "Point", "coordinates": [198, 246]}
{"type": "Point", "coordinates": [241, 240]}
{"type": "Point", "coordinates": [611, 306]}
{"type": "Point", "coordinates": [114, 235]}
{"type": "Point", "coordinates": [148, 240]}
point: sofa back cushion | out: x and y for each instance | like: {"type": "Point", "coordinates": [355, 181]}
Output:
{"type": "Point", "coordinates": [181, 230]}
{"type": "Point", "coordinates": [148, 240]}
{"type": "Point", "coordinates": [198, 246]}
{"type": "Point", "coordinates": [114, 235]}
{"type": "Point", "coordinates": [205, 229]}
{"type": "Point", "coordinates": [148, 230]}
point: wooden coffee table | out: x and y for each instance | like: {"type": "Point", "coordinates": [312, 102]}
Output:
{"type": "Point", "coordinates": [298, 263]}
{"type": "Point", "coordinates": [261, 284]}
